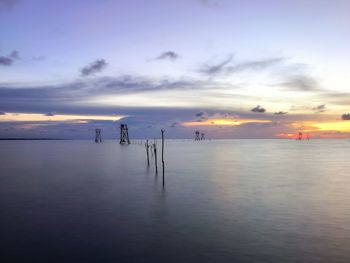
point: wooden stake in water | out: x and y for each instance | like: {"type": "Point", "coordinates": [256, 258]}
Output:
{"type": "Point", "coordinates": [155, 156]}
{"type": "Point", "coordinates": [163, 152]}
{"type": "Point", "coordinates": [147, 147]}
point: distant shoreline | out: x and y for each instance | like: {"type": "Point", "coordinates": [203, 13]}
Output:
{"type": "Point", "coordinates": [31, 139]}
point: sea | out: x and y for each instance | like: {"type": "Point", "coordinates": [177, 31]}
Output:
{"type": "Point", "coordinates": [220, 201]}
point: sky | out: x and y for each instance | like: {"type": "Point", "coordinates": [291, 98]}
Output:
{"type": "Point", "coordinates": [228, 68]}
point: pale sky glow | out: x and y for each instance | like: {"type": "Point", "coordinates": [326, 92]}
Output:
{"type": "Point", "coordinates": [31, 117]}
{"type": "Point", "coordinates": [163, 63]}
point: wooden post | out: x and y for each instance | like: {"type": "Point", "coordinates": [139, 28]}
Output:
{"type": "Point", "coordinates": [155, 156]}
{"type": "Point", "coordinates": [163, 152]}
{"type": "Point", "coordinates": [147, 146]}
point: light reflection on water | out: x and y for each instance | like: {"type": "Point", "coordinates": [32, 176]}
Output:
{"type": "Point", "coordinates": [224, 201]}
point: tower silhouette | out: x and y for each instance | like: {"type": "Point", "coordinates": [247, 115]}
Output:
{"type": "Point", "coordinates": [197, 138]}
{"type": "Point", "coordinates": [300, 136]}
{"type": "Point", "coordinates": [98, 137]}
{"type": "Point", "coordinates": [124, 135]}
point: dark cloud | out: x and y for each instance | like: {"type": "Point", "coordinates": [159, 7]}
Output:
{"type": "Point", "coordinates": [320, 108]}
{"type": "Point", "coordinates": [300, 83]}
{"type": "Point", "coordinates": [94, 67]}
{"type": "Point", "coordinates": [200, 114]}
{"type": "Point", "coordinates": [9, 59]}
{"type": "Point", "coordinates": [224, 67]}
{"type": "Point", "coordinates": [280, 113]}
{"type": "Point", "coordinates": [345, 117]}
{"type": "Point", "coordinates": [258, 108]}
{"type": "Point", "coordinates": [170, 55]}
{"type": "Point", "coordinates": [48, 97]}
{"type": "Point", "coordinates": [2, 113]}
{"type": "Point", "coordinates": [174, 124]}
{"type": "Point", "coordinates": [5, 61]}
{"type": "Point", "coordinates": [50, 114]}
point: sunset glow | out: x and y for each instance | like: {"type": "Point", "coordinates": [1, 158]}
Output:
{"type": "Point", "coordinates": [223, 122]}
{"type": "Point", "coordinates": [33, 117]}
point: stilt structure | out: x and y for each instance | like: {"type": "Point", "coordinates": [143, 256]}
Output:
{"type": "Point", "coordinates": [124, 135]}
{"type": "Point", "coordinates": [202, 136]}
{"type": "Point", "coordinates": [197, 138]}
{"type": "Point", "coordinates": [98, 137]}
{"type": "Point", "coordinates": [300, 136]}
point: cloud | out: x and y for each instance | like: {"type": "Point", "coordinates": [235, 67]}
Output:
{"type": "Point", "coordinates": [5, 61]}
{"type": "Point", "coordinates": [200, 114]}
{"type": "Point", "coordinates": [345, 117]}
{"type": "Point", "coordinates": [9, 59]}
{"type": "Point", "coordinates": [45, 97]}
{"type": "Point", "coordinates": [255, 65]}
{"type": "Point", "coordinates": [300, 83]}
{"type": "Point", "coordinates": [94, 67]}
{"type": "Point", "coordinates": [216, 68]}
{"type": "Point", "coordinates": [169, 55]}
{"type": "Point", "coordinates": [14, 54]}
{"type": "Point", "coordinates": [2, 113]}
{"type": "Point", "coordinates": [320, 108]}
{"type": "Point", "coordinates": [174, 124]}
{"type": "Point", "coordinates": [50, 114]}
{"type": "Point", "coordinates": [258, 108]}
{"type": "Point", "coordinates": [340, 98]}
{"type": "Point", "coordinates": [224, 67]}
{"type": "Point", "coordinates": [281, 113]}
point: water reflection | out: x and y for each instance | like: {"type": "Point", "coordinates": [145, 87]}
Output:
{"type": "Point", "coordinates": [224, 201]}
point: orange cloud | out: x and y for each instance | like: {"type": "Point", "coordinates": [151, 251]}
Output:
{"type": "Point", "coordinates": [328, 129]}
{"type": "Point", "coordinates": [339, 126]}
{"type": "Point", "coordinates": [313, 126]}
{"type": "Point", "coordinates": [223, 122]}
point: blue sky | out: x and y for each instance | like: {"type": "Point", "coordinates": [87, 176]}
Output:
{"type": "Point", "coordinates": [158, 64]}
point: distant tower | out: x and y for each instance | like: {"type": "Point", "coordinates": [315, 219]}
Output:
{"type": "Point", "coordinates": [197, 138]}
{"type": "Point", "coordinates": [202, 136]}
{"type": "Point", "coordinates": [98, 137]}
{"type": "Point", "coordinates": [124, 135]}
{"type": "Point", "coordinates": [300, 136]}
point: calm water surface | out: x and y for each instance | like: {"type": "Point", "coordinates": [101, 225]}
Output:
{"type": "Point", "coordinates": [223, 201]}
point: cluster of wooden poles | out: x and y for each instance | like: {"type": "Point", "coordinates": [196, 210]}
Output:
{"type": "Point", "coordinates": [124, 139]}
{"type": "Point", "coordinates": [154, 153]}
